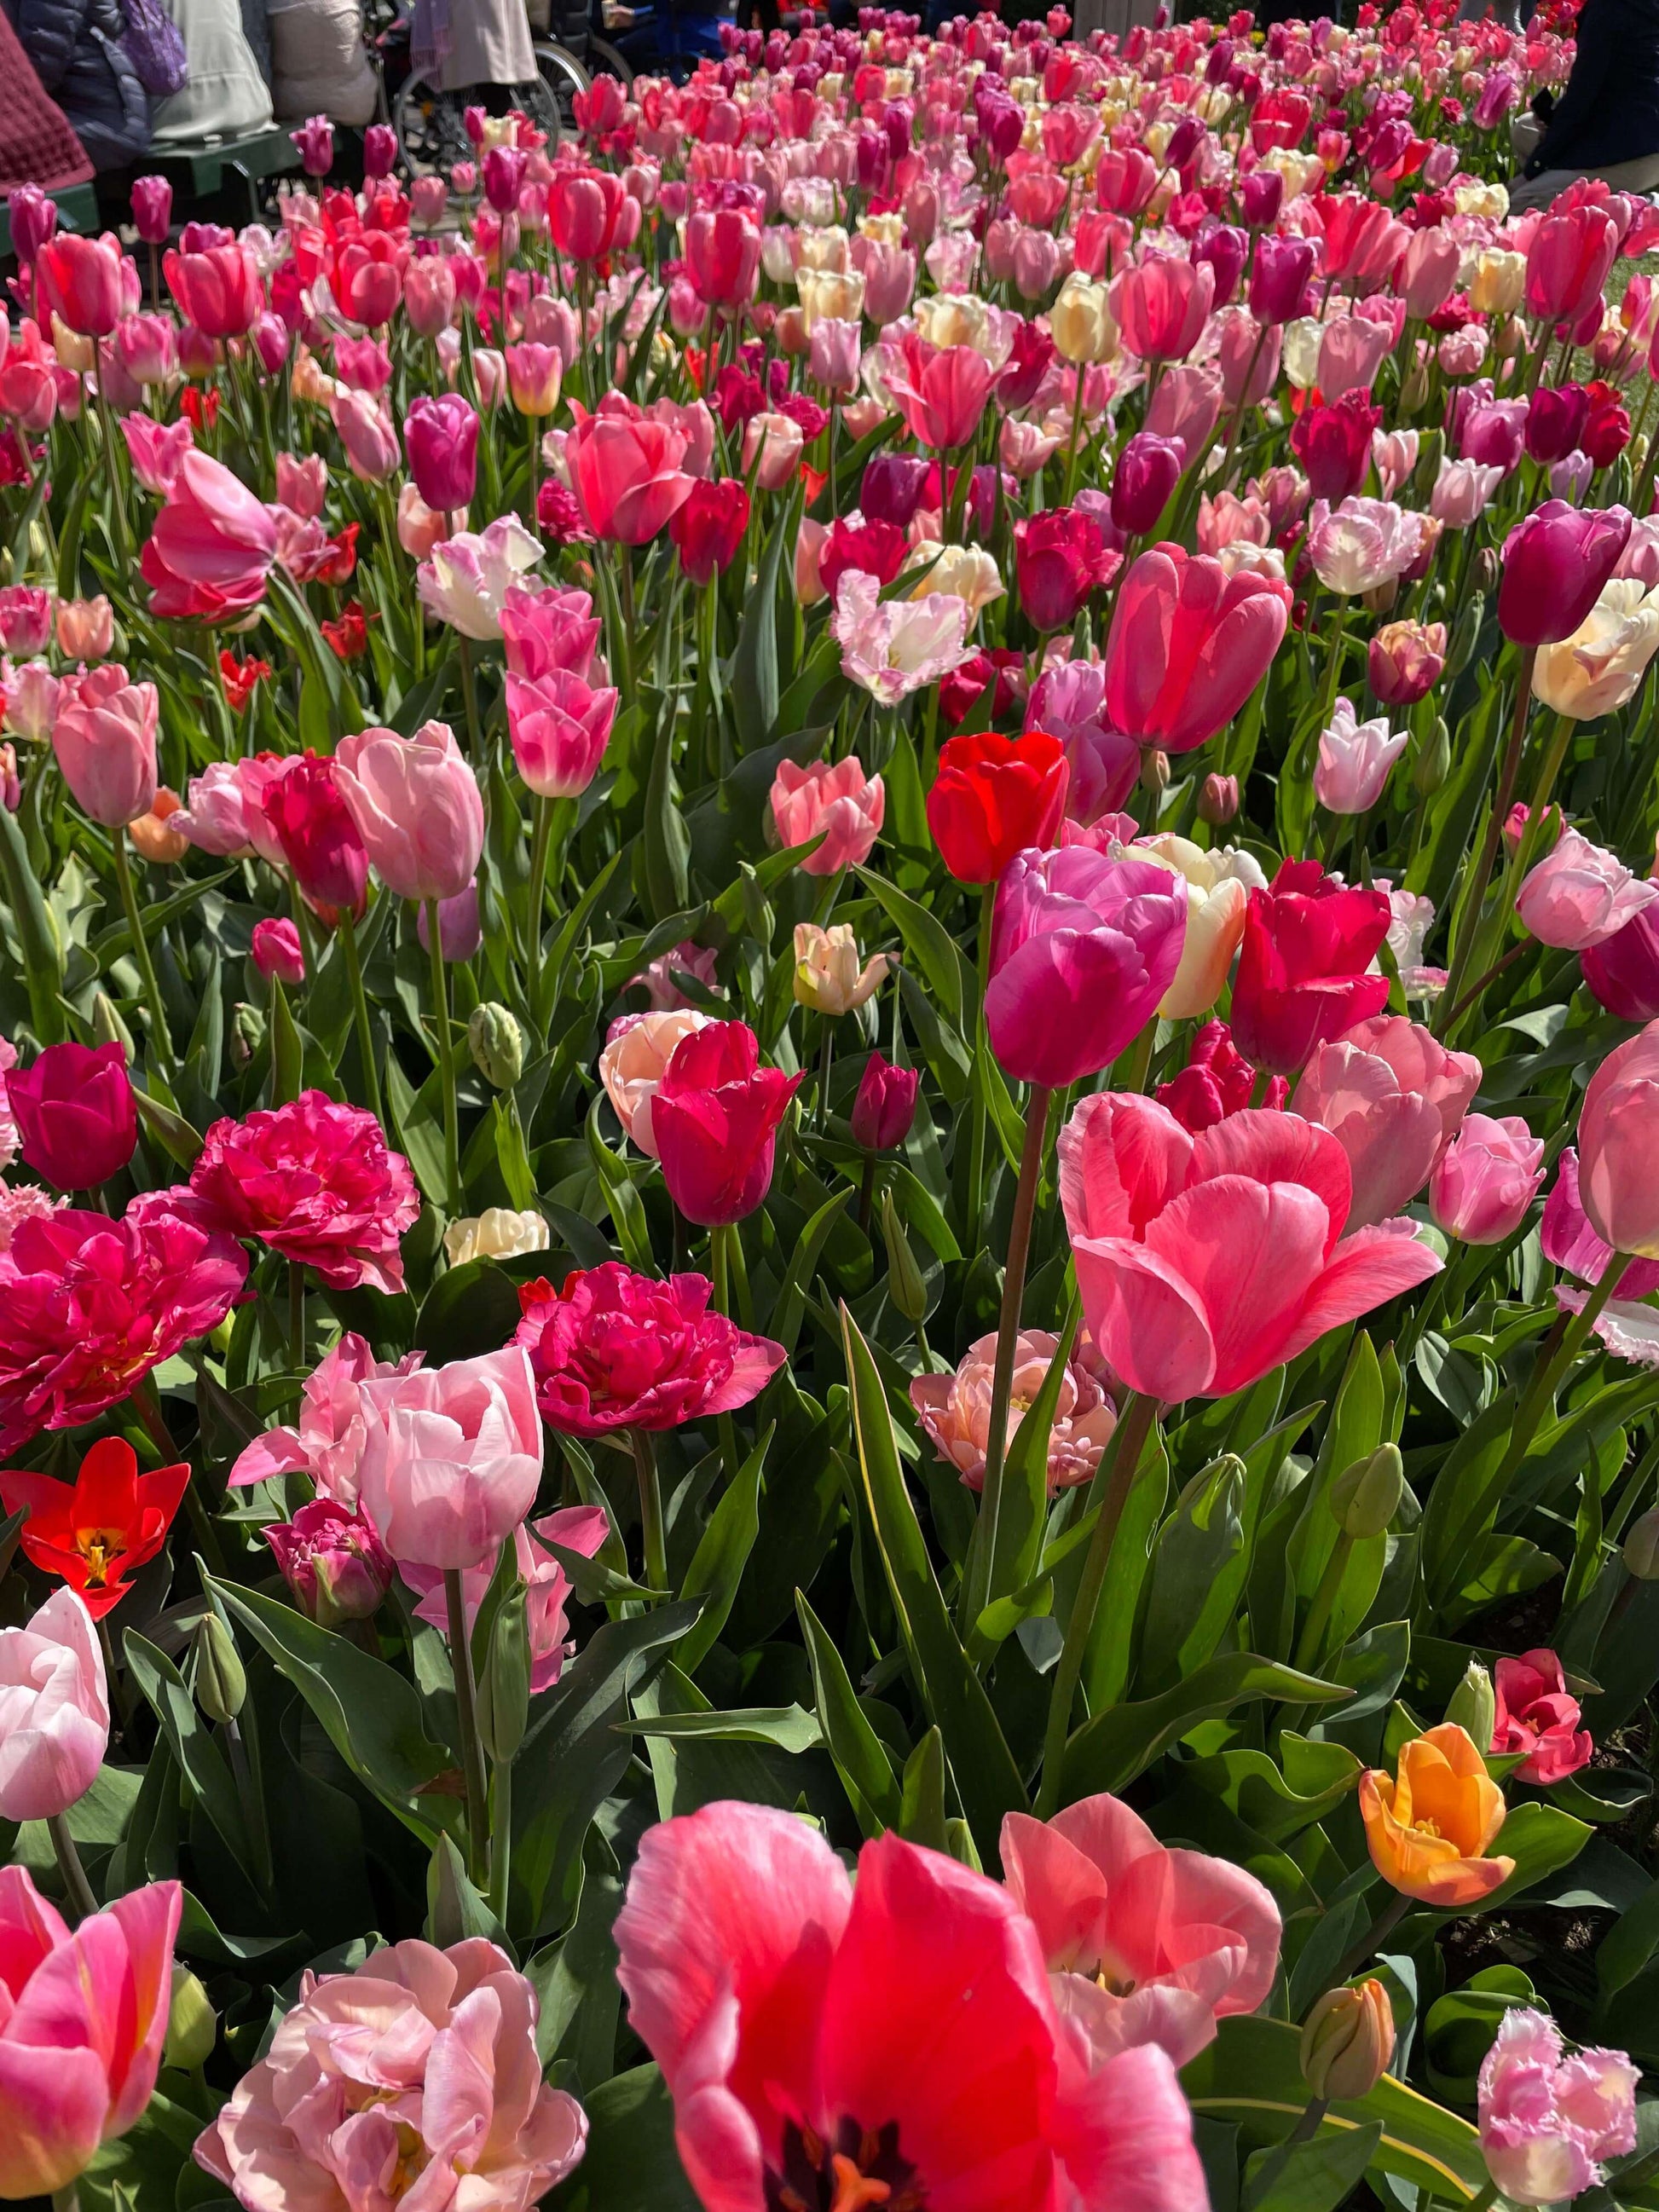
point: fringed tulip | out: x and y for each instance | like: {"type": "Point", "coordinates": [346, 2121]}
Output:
{"type": "Point", "coordinates": [1547, 2121]}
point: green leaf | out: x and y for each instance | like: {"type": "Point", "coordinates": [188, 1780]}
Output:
{"type": "Point", "coordinates": [1197, 1575]}
{"type": "Point", "coordinates": [926, 940]}
{"type": "Point", "coordinates": [1025, 1514]}
{"type": "Point", "coordinates": [469, 1310]}
{"type": "Point", "coordinates": [987, 1780]}
{"type": "Point", "coordinates": [1315, 2176]}
{"type": "Point", "coordinates": [721, 1555]}
{"type": "Point", "coordinates": [1627, 1947]}
{"type": "Point", "coordinates": [207, 1775]}
{"type": "Point", "coordinates": [418, 1117]}
{"type": "Point", "coordinates": [37, 940]}
{"type": "Point", "coordinates": [753, 675]}
{"type": "Point", "coordinates": [1110, 1750]}
{"type": "Point", "coordinates": [575, 1979]}
{"type": "Point", "coordinates": [288, 1053]}
{"type": "Point", "coordinates": [667, 840]}
{"type": "Point", "coordinates": [789, 1309]}
{"type": "Point", "coordinates": [371, 1715]}
{"type": "Point", "coordinates": [787, 1728]}
{"type": "Point", "coordinates": [630, 2164]}
{"type": "Point", "coordinates": [627, 1207]}
{"type": "Point", "coordinates": [1541, 1839]}
{"type": "Point", "coordinates": [865, 1771]}
{"type": "Point", "coordinates": [921, 1812]}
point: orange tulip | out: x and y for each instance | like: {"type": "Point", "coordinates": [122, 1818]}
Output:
{"type": "Point", "coordinates": [1429, 1829]}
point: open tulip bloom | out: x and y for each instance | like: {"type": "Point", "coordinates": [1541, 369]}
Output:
{"type": "Point", "coordinates": [829, 1117]}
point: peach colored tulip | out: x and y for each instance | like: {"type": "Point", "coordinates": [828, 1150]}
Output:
{"type": "Point", "coordinates": [1430, 1826]}
{"type": "Point", "coordinates": [954, 1410]}
{"type": "Point", "coordinates": [638, 1051]}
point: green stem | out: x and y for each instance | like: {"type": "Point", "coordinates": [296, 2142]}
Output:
{"type": "Point", "coordinates": [360, 1014]}
{"type": "Point", "coordinates": [76, 1888]}
{"type": "Point", "coordinates": [160, 1042]}
{"type": "Point", "coordinates": [146, 1398]}
{"type": "Point", "coordinates": [469, 701]}
{"type": "Point", "coordinates": [254, 1811]}
{"type": "Point", "coordinates": [296, 1315]}
{"type": "Point", "coordinates": [1113, 1481]}
{"type": "Point", "coordinates": [1379, 1932]}
{"type": "Point", "coordinates": [67, 2199]}
{"type": "Point", "coordinates": [976, 1582]}
{"type": "Point", "coordinates": [1508, 776]}
{"type": "Point", "coordinates": [501, 1838]}
{"type": "Point", "coordinates": [1324, 1597]}
{"type": "Point", "coordinates": [826, 1053]}
{"type": "Point", "coordinates": [652, 1533]}
{"type": "Point", "coordinates": [446, 1063]}
{"type": "Point", "coordinates": [466, 1720]}
{"type": "Point", "coordinates": [541, 839]}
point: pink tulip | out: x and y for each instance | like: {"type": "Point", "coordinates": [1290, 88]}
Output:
{"type": "Point", "coordinates": [908, 2019]}
{"type": "Point", "coordinates": [1393, 1097]}
{"type": "Point", "coordinates": [1462, 492]}
{"type": "Point", "coordinates": [1427, 276]}
{"type": "Point", "coordinates": [80, 280]}
{"type": "Point", "coordinates": [626, 471]}
{"type": "Point", "coordinates": [429, 289]}
{"type": "Point", "coordinates": [1487, 1178]}
{"type": "Point", "coordinates": [417, 808]}
{"type": "Point", "coordinates": [560, 728]}
{"type": "Point", "coordinates": [155, 450]}
{"type": "Point", "coordinates": [1249, 354]}
{"type": "Point", "coordinates": [1579, 895]}
{"type": "Point", "coordinates": [450, 1459]}
{"type": "Point", "coordinates": [1351, 352]}
{"type": "Point", "coordinates": [147, 350]}
{"type": "Point", "coordinates": [302, 484]}
{"type": "Point", "coordinates": [104, 737]}
{"type": "Point", "coordinates": [1147, 1945]}
{"type": "Point", "coordinates": [1568, 259]}
{"type": "Point", "coordinates": [1354, 760]}
{"type": "Point", "coordinates": [1547, 2121]}
{"type": "Point", "coordinates": [548, 1587]}
{"type": "Point", "coordinates": [86, 628]}
{"type": "Point", "coordinates": [1618, 1129]}
{"type": "Point", "coordinates": [466, 579]}
{"type": "Point", "coordinates": [366, 431]}
{"type": "Point", "coordinates": [25, 618]}
{"type": "Point", "coordinates": [1555, 561]}
{"type": "Point", "coordinates": [460, 930]}
{"type": "Point", "coordinates": [1203, 1262]}
{"type": "Point", "coordinates": [212, 546]}
{"type": "Point", "coordinates": [838, 802]}
{"type": "Point", "coordinates": [442, 438]}
{"type": "Point", "coordinates": [1186, 405]}
{"type": "Point", "coordinates": [1569, 1242]}
{"type": "Point", "coordinates": [1188, 645]}
{"type": "Point", "coordinates": [772, 449]}
{"type": "Point", "coordinates": [1161, 305]}
{"type": "Point", "coordinates": [940, 391]}
{"type": "Point", "coordinates": [54, 1712]}
{"type": "Point", "coordinates": [1537, 1714]}
{"type": "Point", "coordinates": [1082, 950]}
{"type": "Point", "coordinates": [85, 2017]}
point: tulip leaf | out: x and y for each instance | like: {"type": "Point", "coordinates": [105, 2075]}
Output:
{"type": "Point", "coordinates": [789, 1308]}
{"type": "Point", "coordinates": [987, 1781]}
{"type": "Point", "coordinates": [627, 1207]}
{"type": "Point", "coordinates": [1114, 1745]}
{"type": "Point", "coordinates": [926, 940]}
{"type": "Point", "coordinates": [417, 1116]}
{"type": "Point", "coordinates": [1197, 1575]}
{"type": "Point", "coordinates": [370, 1713]}
{"type": "Point", "coordinates": [39, 942]}
{"type": "Point", "coordinates": [667, 840]}
{"type": "Point", "coordinates": [1314, 2176]}
{"type": "Point", "coordinates": [630, 2164]}
{"type": "Point", "coordinates": [721, 1555]}
{"type": "Point", "coordinates": [865, 1771]}
{"type": "Point", "coordinates": [1024, 1512]}
{"type": "Point", "coordinates": [786, 1728]}
{"type": "Point", "coordinates": [469, 1310]}
{"type": "Point", "coordinates": [201, 1762]}
{"type": "Point", "coordinates": [753, 674]}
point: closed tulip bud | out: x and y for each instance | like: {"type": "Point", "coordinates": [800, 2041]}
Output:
{"type": "Point", "coordinates": [1154, 769]}
{"type": "Point", "coordinates": [504, 1686]}
{"type": "Point", "coordinates": [1347, 2043]}
{"type": "Point", "coordinates": [1463, 638]}
{"type": "Point", "coordinates": [108, 1028]}
{"type": "Point", "coordinates": [247, 1032]}
{"type": "Point", "coordinates": [496, 1044]}
{"type": "Point", "coordinates": [1415, 389]}
{"type": "Point", "coordinates": [193, 2024]}
{"type": "Point", "coordinates": [1641, 1552]}
{"type": "Point", "coordinates": [1365, 1497]}
{"type": "Point", "coordinates": [1217, 799]}
{"type": "Point", "coordinates": [758, 918]}
{"type": "Point", "coordinates": [220, 1682]}
{"type": "Point", "coordinates": [1473, 1704]}
{"type": "Point", "coordinates": [904, 1285]}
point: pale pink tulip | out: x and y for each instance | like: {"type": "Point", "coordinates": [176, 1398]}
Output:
{"type": "Point", "coordinates": [839, 803]}
{"type": "Point", "coordinates": [1354, 760]}
{"type": "Point", "coordinates": [1547, 2121]}
{"type": "Point", "coordinates": [54, 1709]}
{"type": "Point", "coordinates": [638, 1051]}
{"type": "Point", "coordinates": [1580, 895]}
{"type": "Point", "coordinates": [417, 808]}
{"type": "Point", "coordinates": [1487, 1178]}
{"type": "Point", "coordinates": [1393, 1097]}
{"type": "Point", "coordinates": [450, 1459]}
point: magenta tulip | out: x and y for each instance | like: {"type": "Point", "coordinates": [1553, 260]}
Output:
{"type": "Point", "coordinates": [1555, 561]}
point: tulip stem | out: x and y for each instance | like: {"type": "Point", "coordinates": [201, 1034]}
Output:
{"type": "Point", "coordinates": [466, 1721]}
{"type": "Point", "coordinates": [446, 1063]}
{"type": "Point", "coordinates": [1506, 782]}
{"type": "Point", "coordinates": [651, 1521]}
{"type": "Point", "coordinates": [67, 2199]}
{"type": "Point", "coordinates": [76, 1888]}
{"type": "Point", "coordinates": [469, 701]}
{"type": "Point", "coordinates": [160, 1042]}
{"type": "Point", "coordinates": [981, 1559]}
{"type": "Point", "coordinates": [826, 1053]}
{"type": "Point", "coordinates": [1113, 1481]}
{"type": "Point", "coordinates": [501, 1838]}
{"type": "Point", "coordinates": [1379, 1932]}
{"type": "Point", "coordinates": [296, 1314]}
{"type": "Point", "coordinates": [541, 839]}
{"type": "Point", "coordinates": [360, 1014]}
{"type": "Point", "coordinates": [867, 1193]}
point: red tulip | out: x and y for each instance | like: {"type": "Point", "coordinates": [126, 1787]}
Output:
{"type": "Point", "coordinates": [320, 840]}
{"type": "Point", "coordinates": [995, 797]}
{"type": "Point", "coordinates": [584, 209]}
{"type": "Point", "coordinates": [1301, 979]}
{"type": "Point", "coordinates": [1061, 556]}
{"type": "Point", "coordinates": [1189, 644]}
{"type": "Point", "coordinates": [94, 1532]}
{"type": "Point", "coordinates": [1333, 444]}
{"type": "Point", "coordinates": [715, 1121]}
{"type": "Point", "coordinates": [80, 281]}
{"type": "Point", "coordinates": [1568, 260]}
{"type": "Point", "coordinates": [1362, 241]}
{"type": "Point", "coordinates": [709, 528]}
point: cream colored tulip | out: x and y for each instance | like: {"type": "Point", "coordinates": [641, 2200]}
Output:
{"type": "Point", "coordinates": [1218, 893]}
{"type": "Point", "coordinates": [1080, 322]}
{"type": "Point", "coordinates": [885, 229]}
{"type": "Point", "coordinates": [829, 295]}
{"type": "Point", "coordinates": [966, 572]}
{"type": "Point", "coordinates": [1299, 355]}
{"type": "Point", "coordinates": [828, 977]}
{"type": "Point", "coordinates": [1490, 200]}
{"type": "Point", "coordinates": [497, 1233]}
{"type": "Point", "coordinates": [1498, 284]}
{"type": "Point", "coordinates": [633, 1064]}
{"type": "Point", "coordinates": [820, 247]}
{"type": "Point", "coordinates": [950, 318]}
{"type": "Point", "coordinates": [1598, 668]}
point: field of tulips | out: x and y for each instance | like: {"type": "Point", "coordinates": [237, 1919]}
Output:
{"type": "Point", "coordinates": [830, 1110]}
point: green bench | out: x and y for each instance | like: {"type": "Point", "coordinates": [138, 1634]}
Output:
{"type": "Point", "coordinates": [226, 166]}
{"type": "Point", "coordinates": [77, 209]}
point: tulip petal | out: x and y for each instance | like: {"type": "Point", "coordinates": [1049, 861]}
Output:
{"type": "Point", "coordinates": [1277, 1148]}
{"type": "Point", "coordinates": [1247, 1253]}
{"type": "Point", "coordinates": [1366, 1270]}
{"type": "Point", "coordinates": [1125, 2134]}
{"type": "Point", "coordinates": [1122, 1159]}
{"type": "Point", "coordinates": [53, 2103]}
{"type": "Point", "coordinates": [1148, 1326]}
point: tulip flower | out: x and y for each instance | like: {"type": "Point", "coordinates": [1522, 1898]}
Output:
{"type": "Point", "coordinates": [450, 1458]}
{"type": "Point", "coordinates": [1354, 759]}
{"type": "Point", "coordinates": [1598, 668]}
{"type": "Point", "coordinates": [305, 814]}
{"type": "Point", "coordinates": [559, 727]}
{"type": "Point", "coordinates": [1556, 561]}
{"type": "Point", "coordinates": [152, 209]}
{"type": "Point", "coordinates": [86, 628]}
{"type": "Point", "coordinates": [735, 1903]}
{"type": "Point", "coordinates": [1485, 1181]}
{"type": "Point", "coordinates": [1362, 544]}
{"type": "Point", "coordinates": [839, 804]}
{"type": "Point", "coordinates": [1217, 885]}
{"type": "Point", "coordinates": [1394, 1098]}
{"type": "Point", "coordinates": [1062, 558]}
{"type": "Point", "coordinates": [86, 2019]}
{"type": "Point", "coordinates": [1188, 645]}
{"type": "Point", "coordinates": [1148, 1945]}
{"type": "Point", "coordinates": [638, 1048]}
{"type": "Point", "coordinates": [894, 647]}
{"type": "Point", "coordinates": [994, 796]}
{"type": "Point", "coordinates": [885, 1105]}
{"type": "Point", "coordinates": [1081, 324]}
{"type": "Point", "coordinates": [771, 449]}
{"type": "Point", "coordinates": [1161, 305]}
{"type": "Point", "coordinates": [1567, 258]}
{"type": "Point", "coordinates": [1623, 969]}
{"type": "Point", "coordinates": [625, 472]}
{"type": "Point", "coordinates": [954, 1411]}
{"type": "Point", "coordinates": [1332, 443]}
{"type": "Point", "coordinates": [940, 391]}
{"type": "Point", "coordinates": [25, 619]}
{"type": "Point", "coordinates": [1537, 1715]}
{"type": "Point", "coordinates": [1301, 971]}
{"type": "Point", "coordinates": [54, 1711]}
{"type": "Point", "coordinates": [466, 579]}
{"type": "Point", "coordinates": [1405, 660]}
{"type": "Point", "coordinates": [95, 1532]}
{"type": "Point", "coordinates": [1281, 271]}
{"type": "Point", "coordinates": [218, 290]}
{"type": "Point", "coordinates": [1546, 2121]}
{"type": "Point", "coordinates": [715, 1119]}
{"type": "Point", "coordinates": [828, 978]}
{"type": "Point", "coordinates": [276, 950]}
{"type": "Point", "coordinates": [1203, 1262]}
{"type": "Point", "coordinates": [212, 546]}
{"type": "Point", "coordinates": [80, 281]}
{"type": "Point", "coordinates": [1430, 1827]}
{"type": "Point", "coordinates": [442, 435]}
{"type": "Point", "coordinates": [709, 528]}
{"type": "Point", "coordinates": [584, 208]}
{"type": "Point", "coordinates": [1579, 895]}
{"type": "Point", "coordinates": [1617, 1126]}
{"type": "Point", "coordinates": [75, 1115]}
{"type": "Point", "coordinates": [104, 737]}
{"type": "Point", "coordinates": [332, 1561]}
{"type": "Point", "coordinates": [1347, 2042]}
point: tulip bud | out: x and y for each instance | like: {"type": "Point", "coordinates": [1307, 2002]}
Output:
{"type": "Point", "coordinates": [1347, 2042]}
{"type": "Point", "coordinates": [1154, 769]}
{"type": "Point", "coordinates": [757, 915]}
{"type": "Point", "coordinates": [1463, 638]}
{"type": "Point", "coordinates": [496, 1043]}
{"type": "Point", "coordinates": [1485, 569]}
{"type": "Point", "coordinates": [1638, 451]}
{"type": "Point", "coordinates": [1473, 1704]}
{"type": "Point", "coordinates": [193, 2024]}
{"type": "Point", "coordinates": [904, 1285]}
{"type": "Point", "coordinates": [1217, 799]}
{"type": "Point", "coordinates": [1642, 1548]}
{"type": "Point", "coordinates": [1365, 1497]}
{"type": "Point", "coordinates": [504, 1685]}
{"type": "Point", "coordinates": [221, 1683]}
{"type": "Point", "coordinates": [1432, 763]}
{"type": "Point", "coordinates": [1415, 389]}
{"type": "Point", "coordinates": [107, 1026]}
{"type": "Point", "coordinates": [247, 1032]}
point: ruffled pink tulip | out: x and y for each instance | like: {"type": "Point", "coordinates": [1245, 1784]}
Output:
{"type": "Point", "coordinates": [1487, 1178]}
{"type": "Point", "coordinates": [1393, 1097]}
{"type": "Point", "coordinates": [1547, 2121]}
{"type": "Point", "coordinates": [954, 1410]}
{"type": "Point", "coordinates": [417, 807]}
{"type": "Point", "coordinates": [1145, 1945]}
{"type": "Point", "coordinates": [1537, 1714]}
{"type": "Point", "coordinates": [54, 1714]}
{"type": "Point", "coordinates": [328, 1442]}
{"type": "Point", "coordinates": [1203, 1261]}
{"type": "Point", "coordinates": [451, 1458]}
{"type": "Point", "coordinates": [837, 802]}
{"type": "Point", "coordinates": [1579, 895]}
